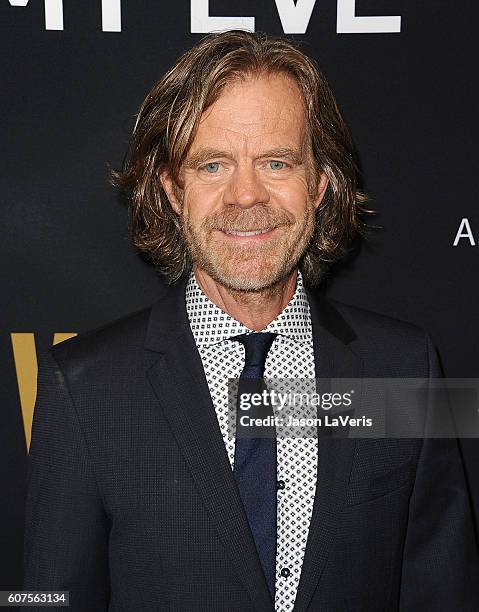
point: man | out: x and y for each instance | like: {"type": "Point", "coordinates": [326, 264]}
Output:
{"type": "Point", "coordinates": [242, 188]}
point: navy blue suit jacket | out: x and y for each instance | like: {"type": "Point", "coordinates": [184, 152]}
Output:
{"type": "Point", "coordinates": [132, 504]}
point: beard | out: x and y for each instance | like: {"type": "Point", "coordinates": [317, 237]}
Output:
{"type": "Point", "coordinates": [250, 265]}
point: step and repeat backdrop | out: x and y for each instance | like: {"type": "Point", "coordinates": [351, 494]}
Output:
{"type": "Point", "coordinates": [73, 76]}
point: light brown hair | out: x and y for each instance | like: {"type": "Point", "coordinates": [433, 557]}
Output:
{"type": "Point", "coordinates": [167, 122]}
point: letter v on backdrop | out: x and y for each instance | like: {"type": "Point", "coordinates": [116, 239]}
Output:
{"type": "Point", "coordinates": [26, 368]}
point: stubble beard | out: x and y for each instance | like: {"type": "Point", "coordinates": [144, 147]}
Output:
{"type": "Point", "coordinates": [256, 267]}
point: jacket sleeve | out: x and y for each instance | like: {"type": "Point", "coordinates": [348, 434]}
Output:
{"type": "Point", "coordinates": [440, 563]}
{"type": "Point", "coordinates": [66, 531]}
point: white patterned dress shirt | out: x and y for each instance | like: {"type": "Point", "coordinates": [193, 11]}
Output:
{"type": "Point", "coordinates": [291, 356]}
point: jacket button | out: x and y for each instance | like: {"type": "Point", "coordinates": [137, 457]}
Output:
{"type": "Point", "coordinates": [285, 572]}
{"type": "Point", "coordinates": [280, 484]}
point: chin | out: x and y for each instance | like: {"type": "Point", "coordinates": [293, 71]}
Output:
{"type": "Point", "coordinates": [249, 279]}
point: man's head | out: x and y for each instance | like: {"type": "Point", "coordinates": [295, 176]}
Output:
{"type": "Point", "coordinates": [242, 135]}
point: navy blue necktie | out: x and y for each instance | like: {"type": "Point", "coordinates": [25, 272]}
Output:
{"type": "Point", "coordinates": [255, 457]}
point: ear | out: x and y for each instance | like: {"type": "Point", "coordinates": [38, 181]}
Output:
{"type": "Point", "coordinates": [320, 189]}
{"type": "Point", "coordinates": [168, 185]}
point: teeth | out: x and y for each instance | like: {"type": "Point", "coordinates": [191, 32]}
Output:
{"type": "Point", "coordinates": [252, 233]}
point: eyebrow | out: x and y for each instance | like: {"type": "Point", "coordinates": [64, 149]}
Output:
{"type": "Point", "coordinates": [203, 155]}
{"type": "Point", "coordinates": [285, 153]}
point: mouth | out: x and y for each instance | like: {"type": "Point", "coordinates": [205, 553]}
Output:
{"type": "Point", "coordinates": [249, 232]}
{"type": "Point", "coordinates": [255, 234]}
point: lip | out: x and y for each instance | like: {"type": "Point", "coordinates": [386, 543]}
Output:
{"type": "Point", "coordinates": [250, 236]}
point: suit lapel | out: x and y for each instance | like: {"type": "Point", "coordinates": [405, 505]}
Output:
{"type": "Point", "coordinates": [333, 359]}
{"type": "Point", "coordinates": [176, 374]}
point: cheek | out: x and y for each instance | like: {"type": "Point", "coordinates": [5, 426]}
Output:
{"type": "Point", "coordinates": [292, 195]}
{"type": "Point", "coordinates": [201, 200]}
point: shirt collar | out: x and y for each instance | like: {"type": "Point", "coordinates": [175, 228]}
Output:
{"type": "Point", "coordinates": [211, 325]}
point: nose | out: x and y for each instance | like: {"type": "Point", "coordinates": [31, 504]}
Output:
{"type": "Point", "coordinates": [245, 188]}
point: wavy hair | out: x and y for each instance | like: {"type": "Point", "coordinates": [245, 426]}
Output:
{"type": "Point", "coordinates": [166, 125]}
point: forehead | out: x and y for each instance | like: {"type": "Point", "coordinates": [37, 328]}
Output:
{"type": "Point", "coordinates": [254, 111]}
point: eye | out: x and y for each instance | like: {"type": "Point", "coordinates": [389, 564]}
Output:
{"type": "Point", "coordinates": [212, 167]}
{"type": "Point", "coordinates": [276, 165]}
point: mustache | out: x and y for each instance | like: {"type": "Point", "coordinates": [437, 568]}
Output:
{"type": "Point", "coordinates": [242, 220]}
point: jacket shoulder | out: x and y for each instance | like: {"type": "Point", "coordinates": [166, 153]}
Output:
{"type": "Point", "coordinates": [368, 321]}
{"type": "Point", "coordinates": [123, 336]}
{"type": "Point", "coordinates": [389, 345]}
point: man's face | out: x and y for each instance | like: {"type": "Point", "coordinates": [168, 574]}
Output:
{"type": "Point", "coordinates": [246, 208]}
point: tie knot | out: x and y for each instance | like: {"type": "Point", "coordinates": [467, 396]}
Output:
{"type": "Point", "coordinates": [256, 347]}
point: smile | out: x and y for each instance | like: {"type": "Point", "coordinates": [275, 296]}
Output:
{"type": "Point", "coordinates": [246, 234]}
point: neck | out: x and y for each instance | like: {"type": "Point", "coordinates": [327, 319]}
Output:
{"type": "Point", "coordinates": [255, 309]}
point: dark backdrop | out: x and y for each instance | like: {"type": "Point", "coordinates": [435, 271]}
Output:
{"type": "Point", "coordinates": [68, 98]}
